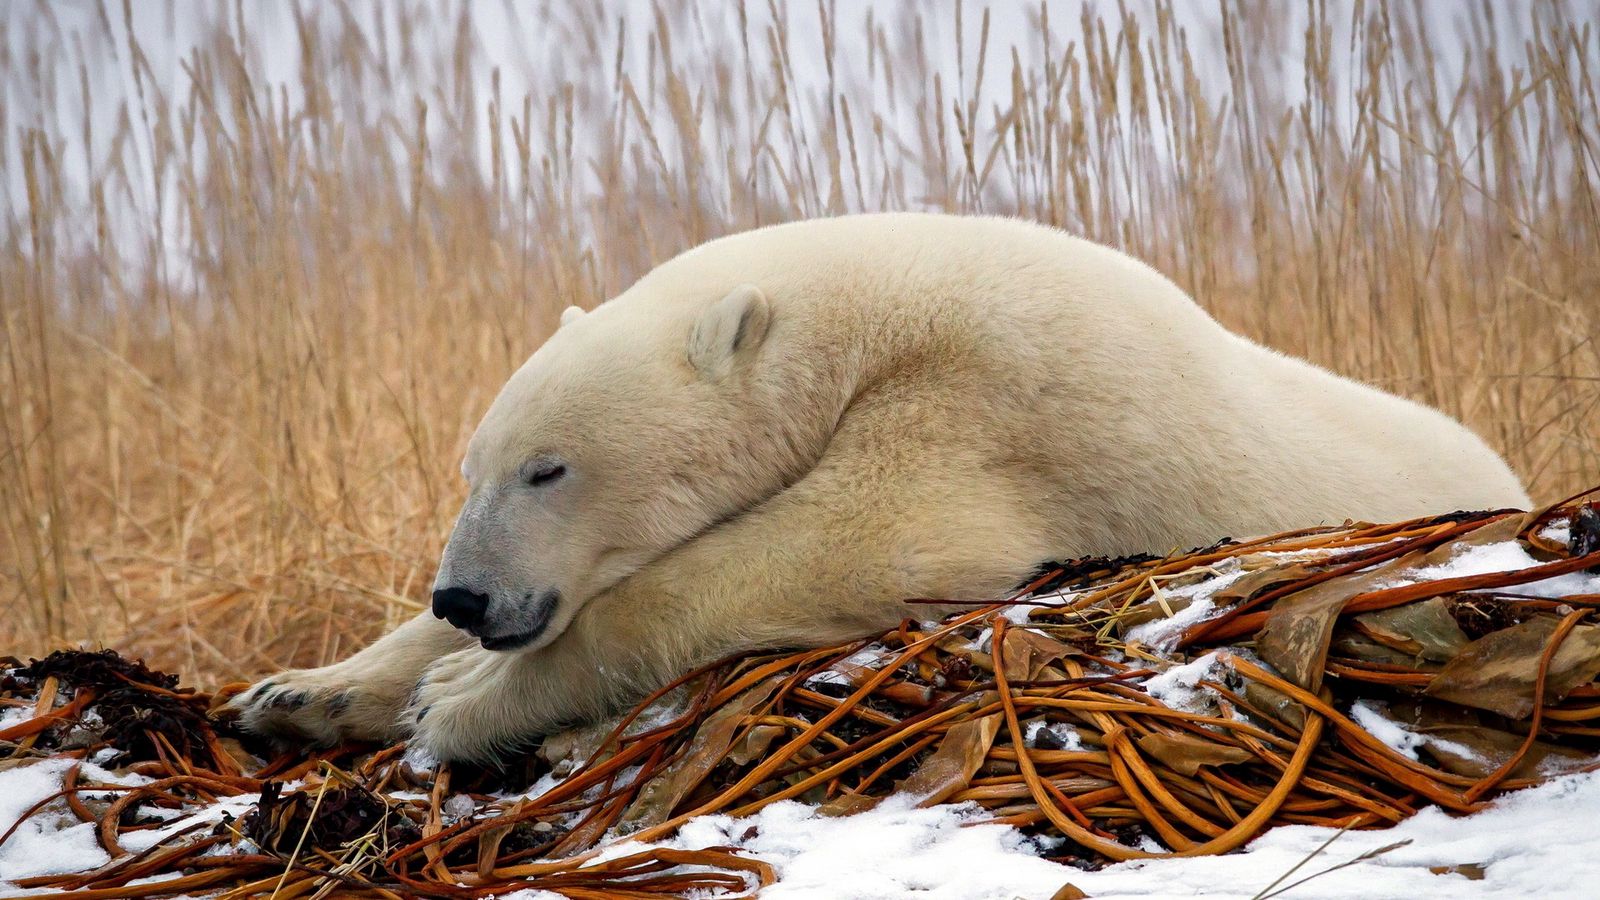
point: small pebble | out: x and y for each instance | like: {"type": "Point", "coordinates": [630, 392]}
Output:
{"type": "Point", "coordinates": [459, 806]}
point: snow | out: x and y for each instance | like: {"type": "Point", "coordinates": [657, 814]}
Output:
{"type": "Point", "coordinates": [850, 670]}
{"type": "Point", "coordinates": [1507, 556]}
{"type": "Point", "coordinates": [1558, 531]}
{"type": "Point", "coordinates": [1401, 739]}
{"type": "Point", "coordinates": [52, 841]}
{"type": "Point", "coordinates": [1534, 843]}
{"type": "Point", "coordinates": [1066, 736]}
{"type": "Point", "coordinates": [1018, 613]}
{"type": "Point", "coordinates": [1179, 687]}
{"type": "Point", "coordinates": [1163, 633]}
{"type": "Point", "coordinates": [235, 807]}
{"type": "Point", "coordinates": [14, 715]}
{"type": "Point", "coordinates": [1373, 716]}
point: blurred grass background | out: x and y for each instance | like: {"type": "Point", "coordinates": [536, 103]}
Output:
{"type": "Point", "coordinates": [259, 283]}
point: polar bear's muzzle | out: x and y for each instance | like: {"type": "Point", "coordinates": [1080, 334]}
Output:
{"type": "Point", "coordinates": [533, 618]}
{"type": "Point", "coordinates": [496, 629]}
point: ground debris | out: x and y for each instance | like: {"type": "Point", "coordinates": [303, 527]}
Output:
{"type": "Point", "coordinates": [1393, 672]}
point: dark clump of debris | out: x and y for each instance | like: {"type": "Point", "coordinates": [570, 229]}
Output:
{"type": "Point", "coordinates": [126, 705]}
{"type": "Point", "coordinates": [1586, 532]}
{"type": "Point", "coordinates": [326, 820]}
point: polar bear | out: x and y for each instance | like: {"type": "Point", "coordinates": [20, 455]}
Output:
{"type": "Point", "coordinates": [775, 438]}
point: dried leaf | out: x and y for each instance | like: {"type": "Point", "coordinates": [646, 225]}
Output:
{"type": "Point", "coordinates": [848, 805]}
{"type": "Point", "coordinates": [567, 750]}
{"type": "Point", "coordinates": [1069, 891]}
{"type": "Point", "coordinates": [1463, 744]}
{"type": "Point", "coordinates": [1275, 574]}
{"type": "Point", "coordinates": [1275, 703]}
{"type": "Point", "coordinates": [1027, 652]}
{"type": "Point", "coordinates": [1351, 644]}
{"type": "Point", "coordinates": [1186, 754]}
{"type": "Point", "coordinates": [1297, 632]}
{"type": "Point", "coordinates": [1427, 625]}
{"type": "Point", "coordinates": [1150, 611]}
{"type": "Point", "coordinates": [657, 798]}
{"type": "Point", "coordinates": [1496, 532]}
{"type": "Point", "coordinates": [1475, 751]}
{"type": "Point", "coordinates": [489, 842]}
{"type": "Point", "coordinates": [755, 743]}
{"type": "Point", "coordinates": [1469, 871]}
{"type": "Point", "coordinates": [1497, 671]}
{"type": "Point", "coordinates": [952, 766]}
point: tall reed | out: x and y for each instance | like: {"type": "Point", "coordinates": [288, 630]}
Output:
{"type": "Point", "coordinates": [250, 320]}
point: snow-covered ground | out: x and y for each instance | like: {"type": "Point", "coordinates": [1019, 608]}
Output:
{"type": "Point", "coordinates": [1539, 842]}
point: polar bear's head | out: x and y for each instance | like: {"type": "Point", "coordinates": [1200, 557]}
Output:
{"type": "Point", "coordinates": [631, 430]}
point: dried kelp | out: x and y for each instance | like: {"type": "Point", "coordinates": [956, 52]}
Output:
{"type": "Point", "coordinates": [1192, 700]}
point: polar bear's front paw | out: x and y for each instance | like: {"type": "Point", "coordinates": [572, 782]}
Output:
{"type": "Point", "coordinates": [466, 707]}
{"type": "Point", "coordinates": [326, 706]}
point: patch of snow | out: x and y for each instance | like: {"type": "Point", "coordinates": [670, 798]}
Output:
{"type": "Point", "coordinates": [1373, 715]}
{"type": "Point", "coordinates": [1163, 633]}
{"type": "Point", "coordinates": [52, 841]}
{"type": "Point", "coordinates": [1179, 687]}
{"type": "Point", "coordinates": [458, 806]}
{"type": "Point", "coordinates": [14, 715]}
{"type": "Point", "coordinates": [235, 807]}
{"type": "Point", "coordinates": [1558, 531]}
{"type": "Point", "coordinates": [662, 712]}
{"type": "Point", "coordinates": [419, 759]}
{"type": "Point", "coordinates": [893, 850]}
{"type": "Point", "coordinates": [845, 671]}
{"type": "Point", "coordinates": [1506, 556]}
{"type": "Point", "coordinates": [1533, 843]}
{"type": "Point", "coordinates": [1018, 613]}
{"type": "Point", "coordinates": [1399, 738]}
{"type": "Point", "coordinates": [1065, 734]}
{"type": "Point", "coordinates": [546, 783]}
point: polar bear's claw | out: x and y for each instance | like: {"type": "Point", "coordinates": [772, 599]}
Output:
{"type": "Point", "coordinates": [319, 705]}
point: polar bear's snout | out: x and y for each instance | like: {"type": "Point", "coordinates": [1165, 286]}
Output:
{"type": "Point", "coordinates": [496, 628]}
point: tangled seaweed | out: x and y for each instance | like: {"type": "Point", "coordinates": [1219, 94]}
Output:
{"type": "Point", "coordinates": [1189, 702]}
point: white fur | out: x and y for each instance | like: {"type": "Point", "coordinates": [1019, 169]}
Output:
{"type": "Point", "coordinates": [777, 437]}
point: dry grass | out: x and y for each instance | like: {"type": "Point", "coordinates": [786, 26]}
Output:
{"type": "Point", "coordinates": [244, 340]}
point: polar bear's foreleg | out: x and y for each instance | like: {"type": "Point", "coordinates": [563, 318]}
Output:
{"type": "Point", "coordinates": [360, 698]}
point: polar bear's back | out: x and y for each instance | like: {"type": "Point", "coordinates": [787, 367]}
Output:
{"type": "Point", "coordinates": [1096, 378]}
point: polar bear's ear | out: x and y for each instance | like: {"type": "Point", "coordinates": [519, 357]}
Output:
{"type": "Point", "coordinates": [571, 314]}
{"type": "Point", "coordinates": [729, 331]}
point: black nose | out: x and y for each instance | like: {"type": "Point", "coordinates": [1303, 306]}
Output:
{"type": "Point", "coordinates": [462, 608]}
